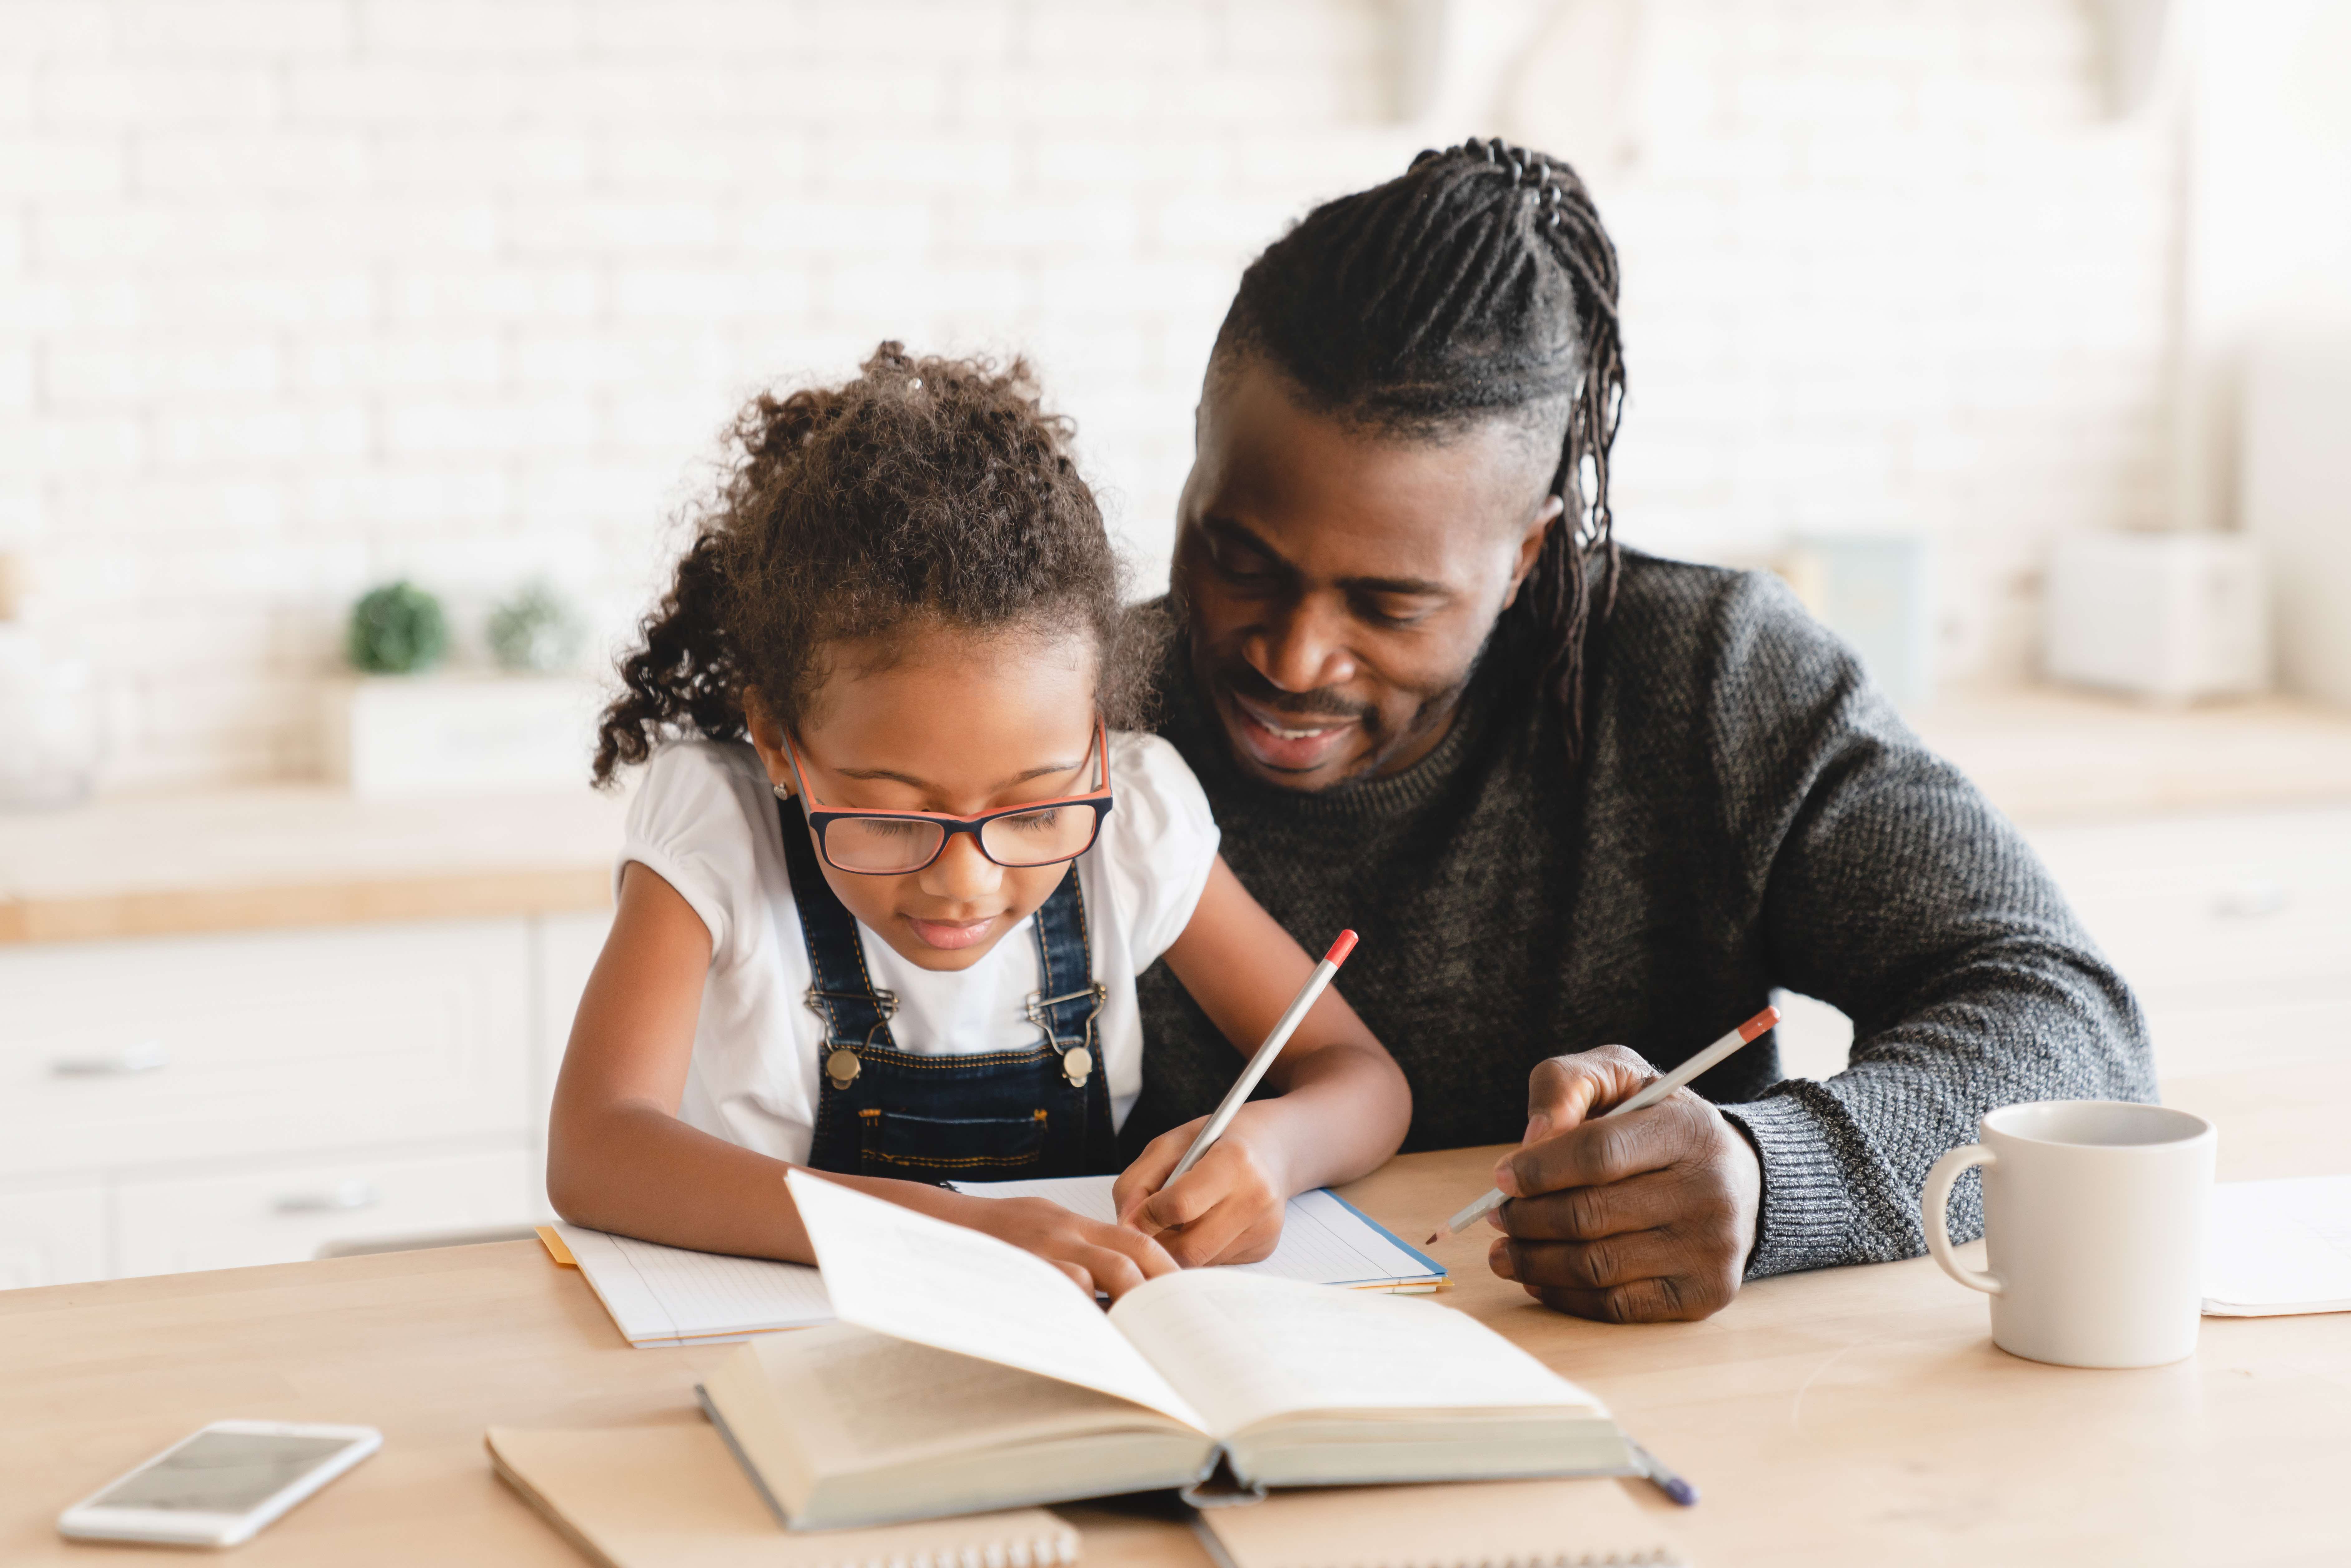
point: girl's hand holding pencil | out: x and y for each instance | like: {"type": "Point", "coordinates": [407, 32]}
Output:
{"type": "Point", "coordinates": [1228, 1208]}
{"type": "Point", "coordinates": [1228, 1202]}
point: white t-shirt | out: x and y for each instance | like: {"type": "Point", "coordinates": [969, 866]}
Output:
{"type": "Point", "coordinates": [705, 821]}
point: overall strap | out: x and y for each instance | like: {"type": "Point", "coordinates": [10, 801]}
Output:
{"type": "Point", "coordinates": [1067, 995]}
{"type": "Point", "coordinates": [843, 994]}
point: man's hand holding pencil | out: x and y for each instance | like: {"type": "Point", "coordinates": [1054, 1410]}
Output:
{"type": "Point", "coordinates": [1630, 1198]}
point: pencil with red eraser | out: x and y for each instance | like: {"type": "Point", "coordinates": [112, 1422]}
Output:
{"type": "Point", "coordinates": [1752, 1029]}
{"type": "Point", "coordinates": [1283, 1027]}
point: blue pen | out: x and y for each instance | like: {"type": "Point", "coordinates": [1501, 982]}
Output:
{"type": "Point", "coordinates": [1664, 1479]}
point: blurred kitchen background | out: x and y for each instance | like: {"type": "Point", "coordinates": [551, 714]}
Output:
{"type": "Point", "coordinates": [358, 356]}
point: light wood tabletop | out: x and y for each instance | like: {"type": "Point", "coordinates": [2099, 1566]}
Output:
{"type": "Point", "coordinates": [1850, 1415]}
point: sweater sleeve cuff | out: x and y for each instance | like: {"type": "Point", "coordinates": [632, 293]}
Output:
{"type": "Point", "coordinates": [1807, 1206]}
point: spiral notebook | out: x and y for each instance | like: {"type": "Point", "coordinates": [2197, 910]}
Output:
{"type": "Point", "coordinates": [672, 1497]}
{"type": "Point", "coordinates": [1460, 1524]}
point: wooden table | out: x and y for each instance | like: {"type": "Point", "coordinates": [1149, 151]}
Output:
{"type": "Point", "coordinates": [1851, 1415]}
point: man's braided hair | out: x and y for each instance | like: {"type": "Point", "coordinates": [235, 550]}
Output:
{"type": "Point", "coordinates": [1478, 284]}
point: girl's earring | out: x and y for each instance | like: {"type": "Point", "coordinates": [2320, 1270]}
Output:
{"type": "Point", "coordinates": [783, 791]}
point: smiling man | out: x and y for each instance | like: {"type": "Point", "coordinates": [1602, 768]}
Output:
{"type": "Point", "coordinates": [1587, 808]}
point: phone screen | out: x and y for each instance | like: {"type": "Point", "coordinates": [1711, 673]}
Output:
{"type": "Point", "coordinates": [221, 1472]}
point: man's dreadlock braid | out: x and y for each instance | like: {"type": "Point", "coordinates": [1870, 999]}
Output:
{"type": "Point", "coordinates": [1480, 283]}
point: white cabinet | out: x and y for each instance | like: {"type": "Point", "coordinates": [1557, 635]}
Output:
{"type": "Point", "coordinates": [52, 1237]}
{"type": "Point", "coordinates": [211, 1102]}
{"type": "Point", "coordinates": [289, 1211]}
{"type": "Point", "coordinates": [196, 1047]}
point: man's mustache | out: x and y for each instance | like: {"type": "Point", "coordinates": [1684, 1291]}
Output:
{"type": "Point", "coordinates": [1242, 680]}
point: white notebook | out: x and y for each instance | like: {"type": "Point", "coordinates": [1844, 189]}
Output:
{"type": "Point", "coordinates": [1325, 1239]}
{"type": "Point", "coordinates": [670, 1296]}
{"type": "Point", "coordinates": [2280, 1247]}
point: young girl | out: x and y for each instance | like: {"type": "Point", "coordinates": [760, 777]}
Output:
{"type": "Point", "coordinates": [879, 703]}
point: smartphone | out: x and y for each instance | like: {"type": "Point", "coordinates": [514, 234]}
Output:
{"type": "Point", "coordinates": [220, 1485]}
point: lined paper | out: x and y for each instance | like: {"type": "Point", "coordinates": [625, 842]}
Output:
{"type": "Point", "coordinates": [1325, 1240]}
{"type": "Point", "coordinates": [668, 1295]}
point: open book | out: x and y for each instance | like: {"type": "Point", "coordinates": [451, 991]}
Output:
{"type": "Point", "coordinates": [968, 1375]}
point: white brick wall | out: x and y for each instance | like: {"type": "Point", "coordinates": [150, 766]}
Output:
{"type": "Point", "coordinates": [298, 295]}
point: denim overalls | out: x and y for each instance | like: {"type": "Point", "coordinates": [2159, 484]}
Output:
{"type": "Point", "coordinates": [1044, 1111]}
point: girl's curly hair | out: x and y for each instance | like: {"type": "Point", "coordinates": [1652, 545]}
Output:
{"type": "Point", "coordinates": [927, 490]}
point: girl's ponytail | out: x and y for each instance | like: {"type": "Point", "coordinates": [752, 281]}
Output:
{"type": "Point", "coordinates": [681, 680]}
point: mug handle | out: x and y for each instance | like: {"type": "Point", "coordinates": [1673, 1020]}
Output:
{"type": "Point", "coordinates": [1932, 1205]}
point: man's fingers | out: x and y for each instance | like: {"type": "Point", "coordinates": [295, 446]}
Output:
{"type": "Point", "coordinates": [1078, 1277]}
{"type": "Point", "coordinates": [1645, 1276]}
{"type": "Point", "coordinates": [1624, 1280]}
{"type": "Point", "coordinates": [1662, 1299]}
{"type": "Point", "coordinates": [1564, 1091]}
{"type": "Point", "coordinates": [1597, 1265]}
{"type": "Point", "coordinates": [1641, 1202]}
{"type": "Point", "coordinates": [1605, 1149]}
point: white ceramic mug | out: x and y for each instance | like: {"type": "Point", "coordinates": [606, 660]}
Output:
{"type": "Point", "coordinates": [2094, 1218]}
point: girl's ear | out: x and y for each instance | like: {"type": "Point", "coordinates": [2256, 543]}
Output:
{"type": "Point", "coordinates": [767, 739]}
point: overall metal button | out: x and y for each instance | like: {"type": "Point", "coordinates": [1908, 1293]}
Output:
{"type": "Point", "coordinates": [1077, 1065]}
{"type": "Point", "coordinates": [841, 1068]}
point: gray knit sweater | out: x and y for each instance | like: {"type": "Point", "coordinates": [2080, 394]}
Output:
{"type": "Point", "coordinates": [1750, 813]}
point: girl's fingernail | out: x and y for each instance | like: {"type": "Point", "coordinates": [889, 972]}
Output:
{"type": "Point", "coordinates": [1497, 1259]}
{"type": "Point", "coordinates": [1538, 1126]}
{"type": "Point", "coordinates": [1506, 1179]}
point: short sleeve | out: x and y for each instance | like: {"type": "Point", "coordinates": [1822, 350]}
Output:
{"type": "Point", "coordinates": [1158, 846]}
{"type": "Point", "coordinates": [689, 825]}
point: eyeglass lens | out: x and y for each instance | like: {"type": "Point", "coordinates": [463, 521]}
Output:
{"type": "Point", "coordinates": [885, 844]}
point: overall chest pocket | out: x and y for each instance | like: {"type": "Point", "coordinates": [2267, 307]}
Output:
{"type": "Point", "coordinates": [905, 1143]}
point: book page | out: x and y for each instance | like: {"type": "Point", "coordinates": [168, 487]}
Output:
{"type": "Point", "coordinates": [669, 1295]}
{"type": "Point", "coordinates": [1246, 1349]}
{"type": "Point", "coordinates": [916, 1278]}
{"type": "Point", "coordinates": [861, 1400]}
{"type": "Point", "coordinates": [1324, 1239]}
